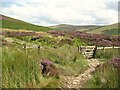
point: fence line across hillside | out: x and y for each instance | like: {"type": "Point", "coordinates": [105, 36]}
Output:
{"type": "Point", "coordinates": [98, 47]}
{"type": "Point", "coordinates": [114, 47]}
{"type": "Point", "coordinates": [87, 51]}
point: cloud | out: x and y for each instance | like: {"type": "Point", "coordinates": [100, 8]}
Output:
{"type": "Point", "coordinates": [52, 12]}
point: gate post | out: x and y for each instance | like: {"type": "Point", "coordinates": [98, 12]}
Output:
{"type": "Point", "coordinates": [94, 51]}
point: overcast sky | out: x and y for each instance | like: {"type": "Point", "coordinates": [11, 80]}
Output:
{"type": "Point", "coordinates": [53, 12]}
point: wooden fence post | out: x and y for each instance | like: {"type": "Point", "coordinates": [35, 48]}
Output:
{"type": "Point", "coordinates": [103, 47]}
{"type": "Point", "coordinates": [80, 49]}
{"type": "Point", "coordinates": [94, 51]}
{"type": "Point", "coordinates": [113, 47]}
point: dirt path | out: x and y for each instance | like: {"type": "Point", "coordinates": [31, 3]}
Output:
{"type": "Point", "coordinates": [78, 81]}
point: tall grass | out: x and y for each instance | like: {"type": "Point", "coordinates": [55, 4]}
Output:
{"type": "Point", "coordinates": [107, 53]}
{"type": "Point", "coordinates": [105, 77]}
{"type": "Point", "coordinates": [0, 67]}
{"type": "Point", "coordinates": [71, 61]}
{"type": "Point", "coordinates": [20, 68]}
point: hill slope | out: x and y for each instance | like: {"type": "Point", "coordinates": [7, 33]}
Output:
{"type": "Point", "coordinates": [11, 23]}
{"type": "Point", "coordinates": [95, 29]}
{"type": "Point", "coordinates": [66, 27]}
{"type": "Point", "coordinates": [107, 30]}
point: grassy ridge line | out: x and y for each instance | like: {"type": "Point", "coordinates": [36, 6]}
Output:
{"type": "Point", "coordinates": [11, 23]}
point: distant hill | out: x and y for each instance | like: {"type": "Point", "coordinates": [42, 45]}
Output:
{"type": "Point", "coordinates": [107, 30]}
{"type": "Point", "coordinates": [8, 22]}
{"type": "Point", "coordinates": [66, 27]}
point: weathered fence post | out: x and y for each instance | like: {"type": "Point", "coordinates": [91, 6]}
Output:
{"type": "Point", "coordinates": [80, 49]}
{"type": "Point", "coordinates": [103, 47]}
{"type": "Point", "coordinates": [94, 51]}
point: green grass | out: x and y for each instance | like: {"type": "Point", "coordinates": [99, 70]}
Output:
{"type": "Point", "coordinates": [105, 77]}
{"type": "Point", "coordinates": [72, 62]}
{"type": "Point", "coordinates": [107, 53]}
{"type": "Point", "coordinates": [111, 32]}
{"type": "Point", "coordinates": [20, 68]}
{"type": "Point", "coordinates": [107, 30]}
{"type": "Point", "coordinates": [18, 24]}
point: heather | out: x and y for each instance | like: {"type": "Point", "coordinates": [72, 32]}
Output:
{"type": "Point", "coordinates": [115, 62]}
{"type": "Point", "coordinates": [91, 39]}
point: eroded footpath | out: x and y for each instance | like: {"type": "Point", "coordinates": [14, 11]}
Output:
{"type": "Point", "coordinates": [79, 80]}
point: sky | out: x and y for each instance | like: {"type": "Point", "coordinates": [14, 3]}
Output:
{"type": "Point", "coordinates": [54, 12]}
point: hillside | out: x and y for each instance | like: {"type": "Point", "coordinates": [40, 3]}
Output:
{"type": "Point", "coordinates": [94, 29]}
{"type": "Point", "coordinates": [107, 30]}
{"type": "Point", "coordinates": [66, 27]}
{"type": "Point", "coordinates": [8, 22]}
